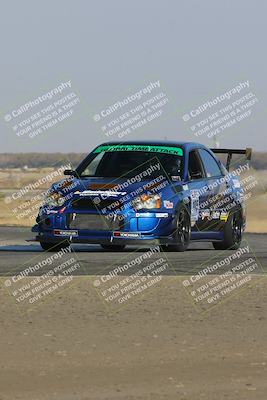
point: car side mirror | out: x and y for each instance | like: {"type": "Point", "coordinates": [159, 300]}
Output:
{"type": "Point", "coordinates": [70, 172]}
{"type": "Point", "coordinates": [196, 175]}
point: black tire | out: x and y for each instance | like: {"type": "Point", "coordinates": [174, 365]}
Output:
{"type": "Point", "coordinates": [113, 247]}
{"type": "Point", "coordinates": [232, 233]}
{"type": "Point", "coordinates": [47, 246]}
{"type": "Point", "coordinates": [182, 232]}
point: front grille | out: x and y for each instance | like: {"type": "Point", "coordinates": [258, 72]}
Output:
{"type": "Point", "coordinates": [94, 222]}
{"type": "Point", "coordinates": [104, 205]}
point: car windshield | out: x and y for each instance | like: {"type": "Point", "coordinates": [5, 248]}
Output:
{"type": "Point", "coordinates": [127, 164]}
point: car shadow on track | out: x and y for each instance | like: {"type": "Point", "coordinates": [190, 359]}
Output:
{"type": "Point", "coordinates": [94, 249]}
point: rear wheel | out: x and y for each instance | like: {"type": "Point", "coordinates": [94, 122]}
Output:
{"type": "Point", "coordinates": [182, 232]}
{"type": "Point", "coordinates": [112, 247]}
{"type": "Point", "coordinates": [47, 246]}
{"type": "Point", "coordinates": [232, 233]}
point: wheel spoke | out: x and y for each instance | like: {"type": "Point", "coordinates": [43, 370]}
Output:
{"type": "Point", "coordinates": [182, 227]}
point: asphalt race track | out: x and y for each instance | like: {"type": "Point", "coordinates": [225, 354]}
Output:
{"type": "Point", "coordinates": [16, 254]}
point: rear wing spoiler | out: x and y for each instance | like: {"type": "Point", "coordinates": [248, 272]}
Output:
{"type": "Point", "coordinates": [230, 152]}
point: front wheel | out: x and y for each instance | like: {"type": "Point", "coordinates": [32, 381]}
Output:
{"type": "Point", "coordinates": [182, 233]}
{"type": "Point", "coordinates": [232, 233]}
{"type": "Point", "coordinates": [48, 246]}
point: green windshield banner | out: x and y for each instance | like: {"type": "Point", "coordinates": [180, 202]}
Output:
{"type": "Point", "coordinates": [136, 147]}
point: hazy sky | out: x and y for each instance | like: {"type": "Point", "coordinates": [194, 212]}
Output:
{"type": "Point", "coordinates": [198, 50]}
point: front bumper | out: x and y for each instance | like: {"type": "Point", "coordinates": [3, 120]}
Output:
{"type": "Point", "coordinates": [100, 240]}
{"type": "Point", "coordinates": [140, 229]}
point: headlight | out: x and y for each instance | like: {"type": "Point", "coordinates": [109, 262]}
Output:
{"type": "Point", "coordinates": [147, 201]}
{"type": "Point", "coordinates": [54, 199]}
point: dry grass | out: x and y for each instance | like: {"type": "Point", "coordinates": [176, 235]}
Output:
{"type": "Point", "coordinates": [16, 178]}
{"type": "Point", "coordinates": [23, 210]}
{"type": "Point", "coordinates": [257, 214]}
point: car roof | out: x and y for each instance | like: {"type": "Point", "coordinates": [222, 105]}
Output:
{"type": "Point", "coordinates": [184, 145]}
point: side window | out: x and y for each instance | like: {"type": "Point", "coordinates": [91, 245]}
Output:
{"type": "Point", "coordinates": [210, 164]}
{"type": "Point", "coordinates": [195, 167]}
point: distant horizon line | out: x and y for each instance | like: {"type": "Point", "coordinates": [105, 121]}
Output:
{"type": "Point", "coordinates": [77, 152]}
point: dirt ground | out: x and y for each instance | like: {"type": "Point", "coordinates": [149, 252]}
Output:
{"type": "Point", "coordinates": [159, 347]}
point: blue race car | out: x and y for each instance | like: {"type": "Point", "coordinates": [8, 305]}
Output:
{"type": "Point", "coordinates": [145, 193]}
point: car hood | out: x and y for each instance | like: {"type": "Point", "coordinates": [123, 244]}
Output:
{"type": "Point", "coordinates": [110, 186]}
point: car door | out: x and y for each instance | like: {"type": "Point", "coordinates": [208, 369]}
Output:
{"type": "Point", "coordinates": [214, 213]}
{"type": "Point", "coordinates": [196, 183]}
